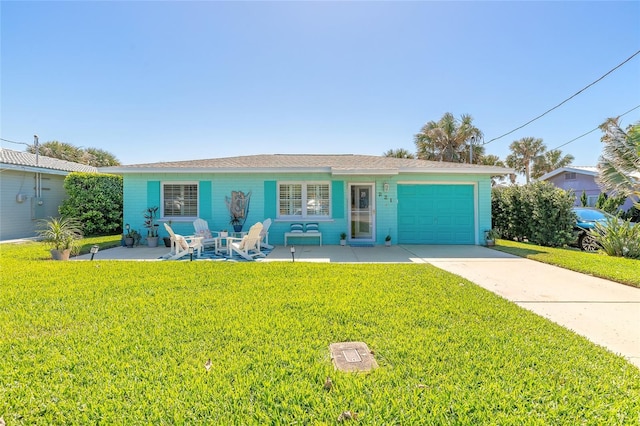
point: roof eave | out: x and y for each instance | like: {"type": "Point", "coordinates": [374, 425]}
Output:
{"type": "Point", "coordinates": [33, 169]}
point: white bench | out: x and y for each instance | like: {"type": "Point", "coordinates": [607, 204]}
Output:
{"type": "Point", "coordinates": [302, 235]}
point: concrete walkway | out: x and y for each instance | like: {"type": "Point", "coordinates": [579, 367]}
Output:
{"type": "Point", "coordinates": [604, 312]}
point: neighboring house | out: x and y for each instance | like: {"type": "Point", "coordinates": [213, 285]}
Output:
{"type": "Point", "coordinates": [580, 179]}
{"type": "Point", "coordinates": [31, 188]}
{"type": "Point", "coordinates": [367, 197]}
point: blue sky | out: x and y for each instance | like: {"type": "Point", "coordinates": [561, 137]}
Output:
{"type": "Point", "coordinates": [163, 81]}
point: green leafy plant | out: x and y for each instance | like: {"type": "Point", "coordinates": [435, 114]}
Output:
{"type": "Point", "coordinates": [150, 216]}
{"type": "Point", "coordinates": [538, 212]}
{"type": "Point", "coordinates": [343, 235]}
{"type": "Point", "coordinates": [60, 233]}
{"type": "Point", "coordinates": [387, 238]}
{"type": "Point", "coordinates": [618, 237]}
{"type": "Point", "coordinates": [96, 200]}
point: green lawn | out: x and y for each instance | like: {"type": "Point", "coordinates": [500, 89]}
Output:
{"type": "Point", "coordinates": [115, 342]}
{"type": "Point", "coordinates": [619, 269]}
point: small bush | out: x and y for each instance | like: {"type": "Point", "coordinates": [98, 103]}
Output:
{"type": "Point", "coordinates": [618, 238]}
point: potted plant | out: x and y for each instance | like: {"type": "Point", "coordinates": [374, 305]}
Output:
{"type": "Point", "coordinates": [343, 238]}
{"type": "Point", "coordinates": [223, 234]}
{"type": "Point", "coordinates": [490, 237]}
{"type": "Point", "coordinates": [236, 222]}
{"type": "Point", "coordinates": [387, 240]}
{"type": "Point", "coordinates": [151, 225]}
{"type": "Point", "coordinates": [131, 236]}
{"type": "Point", "coordinates": [62, 234]}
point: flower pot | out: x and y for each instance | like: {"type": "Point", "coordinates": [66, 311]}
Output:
{"type": "Point", "coordinates": [387, 243]}
{"type": "Point", "coordinates": [128, 241]}
{"type": "Point", "coordinates": [167, 241]}
{"type": "Point", "coordinates": [237, 228]}
{"type": "Point", "coordinates": [60, 254]}
{"type": "Point", "coordinates": [343, 242]}
{"type": "Point", "coordinates": [152, 241]}
{"type": "Point", "coordinates": [491, 243]}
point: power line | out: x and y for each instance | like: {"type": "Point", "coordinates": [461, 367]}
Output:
{"type": "Point", "coordinates": [593, 130]}
{"type": "Point", "coordinates": [566, 100]}
{"type": "Point", "coordinates": [19, 143]}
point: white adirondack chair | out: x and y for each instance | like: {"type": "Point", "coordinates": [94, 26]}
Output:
{"type": "Point", "coordinates": [264, 241]}
{"type": "Point", "coordinates": [180, 245]}
{"type": "Point", "coordinates": [202, 230]}
{"type": "Point", "coordinates": [248, 246]}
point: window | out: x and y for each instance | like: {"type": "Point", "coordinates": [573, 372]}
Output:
{"type": "Point", "coordinates": [570, 176]}
{"type": "Point", "coordinates": [304, 200]}
{"type": "Point", "coordinates": [180, 200]}
{"type": "Point", "coordinates": [592, 200]}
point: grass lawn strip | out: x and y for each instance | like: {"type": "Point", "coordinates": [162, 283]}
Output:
{"type": "Point", "coordinates": [600, 265]}
{"type": "Point", "coordinates": [126, 342]}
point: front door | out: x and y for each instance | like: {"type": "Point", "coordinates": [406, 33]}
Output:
{"type": "Point", "coordinates": [361, 212]}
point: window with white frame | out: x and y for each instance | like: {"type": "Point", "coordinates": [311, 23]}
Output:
{"type": "Point", "coordinates": [570, 176]}
{"type": "Point", "coordinates": [179, 200]}
{"type": "Point", "coordinates": [302, 200]}
{"type": "Point", "coordinates": [592, 200]}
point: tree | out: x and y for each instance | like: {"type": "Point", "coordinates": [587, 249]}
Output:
{"type": "Point", "coordinates": [619, 164]}
{"type": "Point", "coordinates": [524, 153]}
{"type": "Point", "coordinates": [65, 151]}
{"type": "Point", "coordinates": [447, 139]}
{"type": "Point", "coordinates": [99, 158]}
{"type": "Point", "coordinates": [399, 153]}
{"type": "Point", "coordinates": [549, 161]}
{"type": "Point", "coordinates": [492, 160]}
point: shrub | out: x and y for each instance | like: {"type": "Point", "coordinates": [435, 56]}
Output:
{"type": "Point", "coordinates": [633, 214]}
{"type": "Point", "coordinates": [618, 238]}
{"type": "Point", "coordinates": [538, 212]}
{"type": "Point", "coordinates": [96, 200]}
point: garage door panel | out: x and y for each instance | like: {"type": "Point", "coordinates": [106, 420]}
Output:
{"type": "Point", "coordinates": [436, 214]}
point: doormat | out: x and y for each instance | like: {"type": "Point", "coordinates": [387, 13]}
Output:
{"type": "Point", "coordinates": [361, 245]}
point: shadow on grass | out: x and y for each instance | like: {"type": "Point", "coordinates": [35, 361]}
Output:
{"type": "Point", "coordinates": [518, 251]}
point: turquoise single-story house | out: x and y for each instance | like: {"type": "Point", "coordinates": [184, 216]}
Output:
{"type": "Point", "coordinates": [366, 197]}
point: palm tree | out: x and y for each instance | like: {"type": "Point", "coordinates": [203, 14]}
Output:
{"type": "Point", "coordinates": [399, 153]}
{"type": "Point", "coordinates": [523, 153]}
{"type": "Point", "coordinates": [59, 150]}
{"type": "Point", "coordinates": [492, 160]}
{"type": "Point", "coordinates": [65, 151]}
{"type": "Point", "coordinates": [549, 161]}
{"type": "Point", "coordinates": [446, 139]}
{"type": "Point", "coordinates": [99, 158]}
{"type": "Point", "coordinates": [619, 165]}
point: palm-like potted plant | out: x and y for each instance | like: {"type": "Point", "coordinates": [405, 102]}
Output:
{"type": "Point", "coordinates": [387, 241]}
{"type": "Point", "coordinates": [152, 227]}
{"type": "Point", "coordinates": [490, 237]}
{"type": "Point", "coordinates": [61, 234]}
{"type": "Point", "coordinates": [343, 238]}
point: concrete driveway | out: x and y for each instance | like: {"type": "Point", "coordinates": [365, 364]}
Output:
{"type": "Point", "coordinates": [604, 312]}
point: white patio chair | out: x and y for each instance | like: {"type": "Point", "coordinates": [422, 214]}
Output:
{"type": "Point", "coordinates": [264, 241]}
{"type": "Point", "coordinates": [248, 246]}
{"type": "Point", "coordinates": [180, 245]}
{"type": "Point", "coordinates": [202, 230]}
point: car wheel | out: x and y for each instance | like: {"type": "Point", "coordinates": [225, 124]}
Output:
{"type": "Point", "coordinates": [587, 243]}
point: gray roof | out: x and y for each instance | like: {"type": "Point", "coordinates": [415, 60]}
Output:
{"type": "Point", "coordinates": [297, 163]}
{"type": "Point", "coordinates": [26, 159]}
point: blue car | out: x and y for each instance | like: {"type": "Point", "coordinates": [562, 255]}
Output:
{"type": "Point", "coordinates": [587, 218]}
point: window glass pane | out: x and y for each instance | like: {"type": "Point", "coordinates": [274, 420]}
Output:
{"type": "Point", "coordinates": [290, 202]}
{"type": "Point", "coordinates": [318, 199]}
{"type": "Point", "coordinates": [180, 200]}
